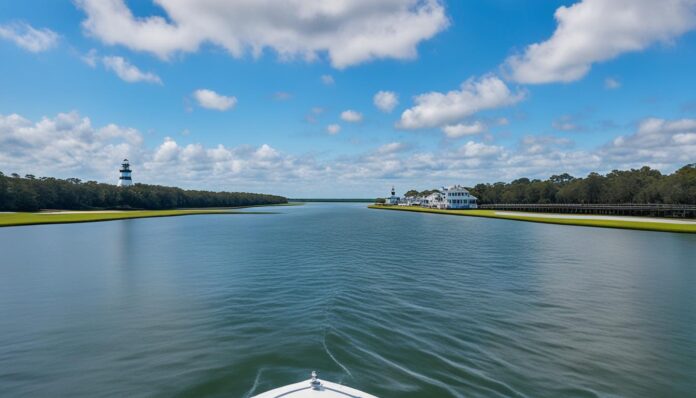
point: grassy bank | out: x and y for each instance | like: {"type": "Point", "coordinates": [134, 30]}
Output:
{"type": "Point", "coordinates": [17, 219]}
{"type": "Point", "coordinates": [639, 225]}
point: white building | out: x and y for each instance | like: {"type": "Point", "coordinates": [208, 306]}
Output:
{"type": "Point", "coordinates": [434, 201]}
{"type": "Point", "coordinates": [124, 180]}
{"type": "Point", "coordinates": [393, 199]}
{"type": "Point", "coordinates": [457, 197]}
{"type": "Point", "coordinates": [453, 197]}
{"type": "Point", "coordinates": [411, 201]}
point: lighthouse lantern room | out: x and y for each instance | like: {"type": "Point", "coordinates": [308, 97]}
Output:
{"type": "Point", "coordinates": [125, 178]}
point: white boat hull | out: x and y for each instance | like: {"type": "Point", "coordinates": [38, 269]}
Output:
{"type": "Point", "coordinates": [308, 389]}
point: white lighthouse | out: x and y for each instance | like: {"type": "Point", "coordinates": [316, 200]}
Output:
{"type": "Point", "coordinates": [125, 179]}
{"type": "Point", "coordinates": [393, 199]}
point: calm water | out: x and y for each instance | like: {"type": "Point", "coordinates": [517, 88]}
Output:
{"type": "Point", "coordinates": [396, 304]}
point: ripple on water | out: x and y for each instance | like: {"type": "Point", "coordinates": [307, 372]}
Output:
{"type": "Point", "coordinates": [397, 304]}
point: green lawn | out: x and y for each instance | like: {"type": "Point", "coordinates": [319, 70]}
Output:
{"type": "Point", "coordinates": [16, 219]}
{"type": "Point", "coordinates": [646, 226]}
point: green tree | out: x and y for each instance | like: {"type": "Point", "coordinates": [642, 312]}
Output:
{"type": "Point", "coordinates": [26, 194]}
{"type": "Point", "coordinates": [594, 183]}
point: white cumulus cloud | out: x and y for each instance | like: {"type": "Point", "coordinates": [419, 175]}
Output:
{"type": "Point", "coordinates": [657, 142]}
{"type": "Point", "coordinates": [28, 37]}
{"type": "Point", "coordinates": [127, 71]}
{"type": "Point", "coordinates": [463, 129]}
{"type": "Point", "coordinates": [351, 116]}
{"type": "Point", "coordinates": [437, 109]}
{"type": "Point", "coordinates": [593, 31]}
{"type": "Point", "coordinates": [333, 129]}
{"type": "Point", "coordinates": [211, 100]}
{"type": "Point", "coordinates": [68, 145]}
{"type": "Point", "coordinates": [392, 147]}
{"type": "Point", "coordinates": [65, 143]}
{"type": "Point", "coordinates": [349, 32]}
{"type": "Point", "coordinates": [385, 101]}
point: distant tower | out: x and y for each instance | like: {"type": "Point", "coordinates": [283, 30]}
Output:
{"type": "Point", "coordinates": [125, 179]}
{"type": "Point", "coordinates": [393, 199]}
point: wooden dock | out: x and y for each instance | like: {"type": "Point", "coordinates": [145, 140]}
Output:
{"type": "Point", "coordinates": [651, 210]}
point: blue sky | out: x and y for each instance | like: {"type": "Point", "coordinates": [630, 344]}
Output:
{"type": "Point", "coordinates": [258, 96]}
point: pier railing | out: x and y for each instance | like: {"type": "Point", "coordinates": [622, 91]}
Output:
{"type": "Point", "coordinates": [629, 209]}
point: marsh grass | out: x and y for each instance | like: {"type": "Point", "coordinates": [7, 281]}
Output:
{"type": "Point", "coordinates": [18, 219]}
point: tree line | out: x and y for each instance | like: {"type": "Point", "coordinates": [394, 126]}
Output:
{"type": "Point", "coordinates": [30, 193]}
{"type": "Point", "coordinates": [644, 185]}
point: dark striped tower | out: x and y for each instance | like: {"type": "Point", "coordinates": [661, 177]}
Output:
{"type": "Point", "coordinates": [125, 179]}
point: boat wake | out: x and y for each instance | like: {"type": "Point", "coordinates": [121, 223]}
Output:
{"type": "Point", "coordinates": [255, 385]}
{"type": "Point", "coordinates": [326, 348]}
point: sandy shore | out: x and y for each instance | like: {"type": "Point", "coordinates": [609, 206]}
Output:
{"type": "Point", "coordinates": [592, 217]}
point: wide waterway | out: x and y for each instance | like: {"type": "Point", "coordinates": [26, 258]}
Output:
{"type": "Point", "coordinates": [397, 304]}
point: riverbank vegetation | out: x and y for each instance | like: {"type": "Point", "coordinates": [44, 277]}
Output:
{"type": "Point", "coordinates": [644, 185]}
{"type": "Point", "coordinates": [30, 193]}
{"type": "Point", "coordinates": [17, 219]}
{"type": "Point", "coordinates": [604, 222]}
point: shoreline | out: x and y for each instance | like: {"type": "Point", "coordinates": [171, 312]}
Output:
{"type": "Point", "coordinates": [648, 224]}
{"type": "Point", "coordinates": [19, 219]}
